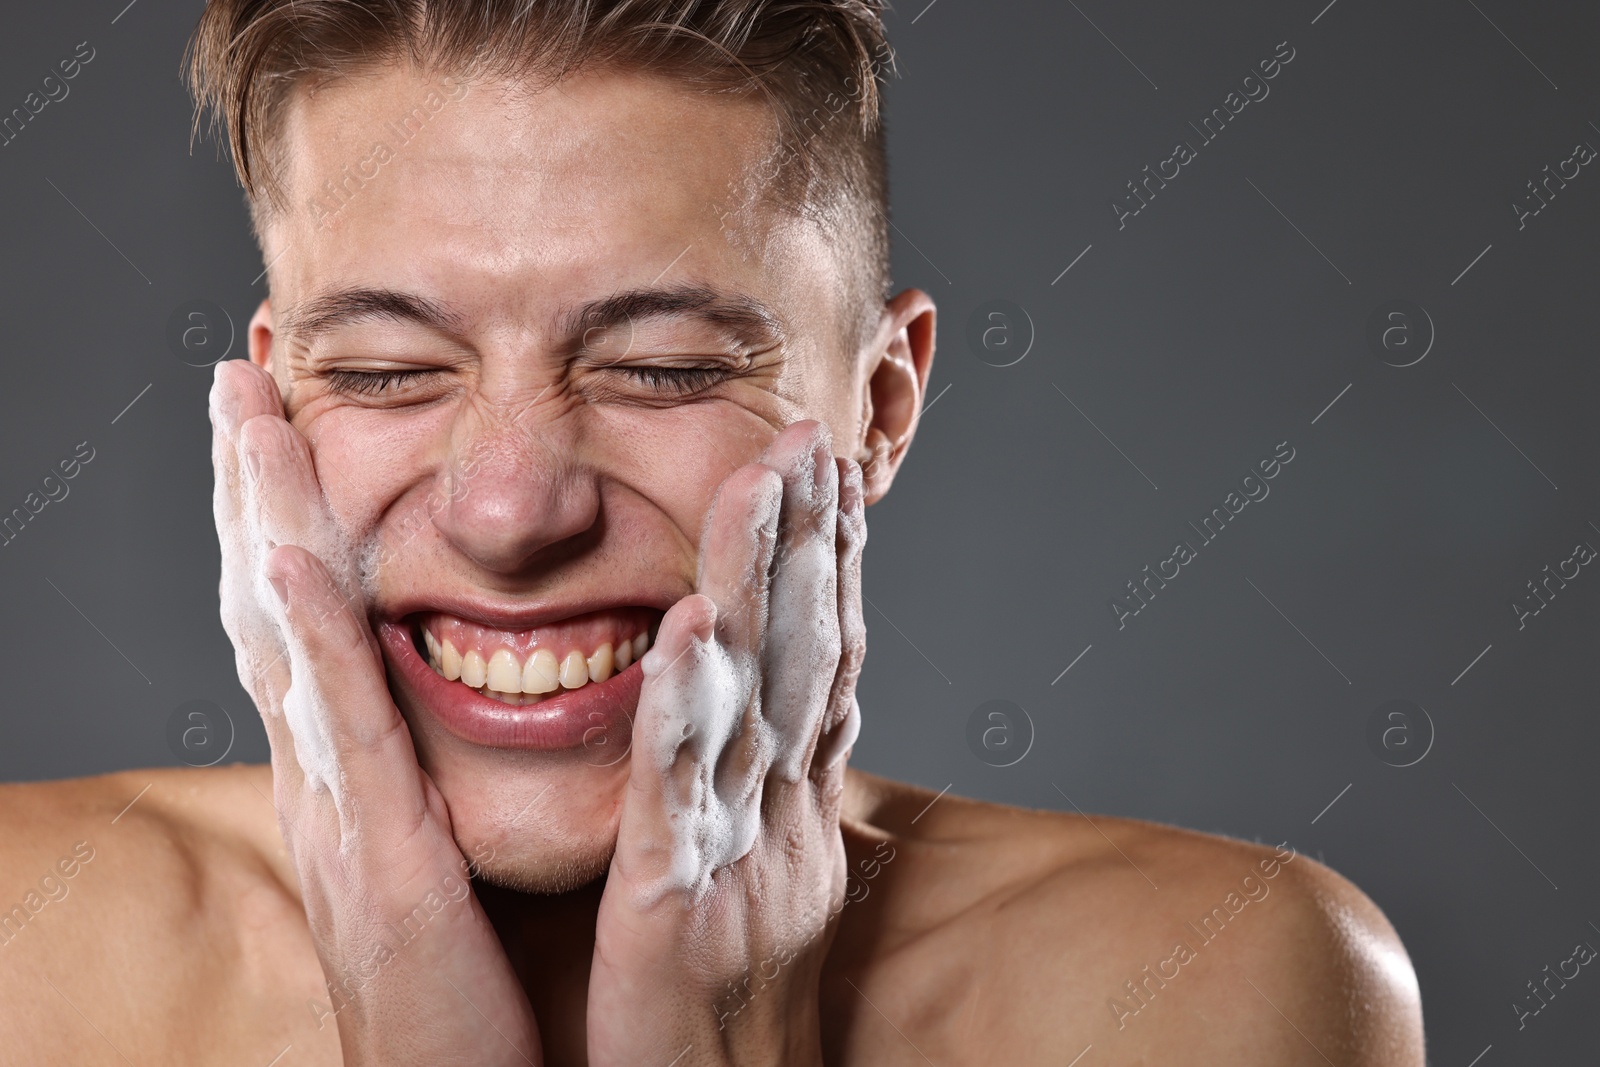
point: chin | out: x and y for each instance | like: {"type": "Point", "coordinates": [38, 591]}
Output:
{"type": "Point", "coordinates": [546, 874]}
{"type": "Point", "coordinates": [525, 726]}
{"type": "Point", "coordinates": [541, 828]}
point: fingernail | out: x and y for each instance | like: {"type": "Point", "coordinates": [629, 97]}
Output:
{"type": "Point", "coordinates": [252, 463]}
{"type": "Point", "coordinates": [821, 460]}
{"type": "Point", "coordinates": [280, 587]}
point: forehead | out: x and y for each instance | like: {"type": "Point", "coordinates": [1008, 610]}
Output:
{"type": "Point", "coordinates": [486, 193]}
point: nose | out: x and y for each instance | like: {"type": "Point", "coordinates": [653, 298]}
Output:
{"type": "Point", "coordinates": [515, 489]}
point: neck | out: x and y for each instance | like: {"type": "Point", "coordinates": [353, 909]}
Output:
{"type": "Point", "coordinates": [550, 942]}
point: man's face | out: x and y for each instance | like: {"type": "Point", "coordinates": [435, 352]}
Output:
{"type": "Point", "coordinates": [527, 340]}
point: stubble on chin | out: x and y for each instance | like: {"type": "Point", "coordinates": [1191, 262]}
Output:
{"type": "Point", "coordinates": [547, 876]}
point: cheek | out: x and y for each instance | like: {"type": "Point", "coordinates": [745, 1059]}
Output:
{"type": "Point", "coordinates": [366, 460]}
{"type": "Point", "coordinates": [825, 384]}
{"type": "Point", "coordinates": [676, 458]}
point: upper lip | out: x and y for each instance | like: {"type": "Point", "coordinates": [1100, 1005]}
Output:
{"type": "Point", "coordinates": [512, 617]}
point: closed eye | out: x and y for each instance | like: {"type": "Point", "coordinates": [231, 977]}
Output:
{"type": "Point", "coordinates": [672, 381]}
{"type": "Point", "coordinates": [676, 380]}
{"type": "Point", "coordinates": [373, 383]}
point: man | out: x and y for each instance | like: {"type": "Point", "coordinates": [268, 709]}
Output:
{"type": "Point", "coordinates": [541, 509]}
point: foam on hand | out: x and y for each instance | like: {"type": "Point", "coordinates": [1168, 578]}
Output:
{"type": "Point", "coordinates": [263, 621]}
{"type": "Point", "coordinates": [697, 698]}
{"type": "Point", "coordinates": [714, 818]}
{"type": "Point", "coordinates": [801, 653]}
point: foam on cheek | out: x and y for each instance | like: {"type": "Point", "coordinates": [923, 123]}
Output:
{"type": "Point", "coordinates": [701, 696]}
{"type": "Point", "coordinates": [367, 552]}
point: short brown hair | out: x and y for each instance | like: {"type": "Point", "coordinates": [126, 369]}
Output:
{"type": "Point", "coordinates": [821, 64]}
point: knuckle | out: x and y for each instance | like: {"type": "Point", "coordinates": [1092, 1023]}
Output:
{"type": "Point", "coordinates": [855, 636]}
{"type": "Point", "coordinates": [852, 655]}
{"type": "Point", "coordinates": [337, 628]}
{"type": "Point", "coordinates": [292, 564]}
{"type": "Point", "coordinates": [374, 739]}
{"type": "Point", "coordinates": [259, 432]}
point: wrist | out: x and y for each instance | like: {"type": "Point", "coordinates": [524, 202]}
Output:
{"type": "Point", "coordinates": [769, 1019]}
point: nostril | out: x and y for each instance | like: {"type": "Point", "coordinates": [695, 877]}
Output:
{"type": "Point", "coordinates": [505, 516]}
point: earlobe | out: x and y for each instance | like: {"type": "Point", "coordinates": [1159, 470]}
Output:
{"type": "Point", "coordinates": [896, 385]}
{"type": "Point", "coordinates": [877, 465]}
{"type": "Point", "coordinates": [260, 336]}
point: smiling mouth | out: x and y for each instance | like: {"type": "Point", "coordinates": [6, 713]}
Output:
{"type": "Point", "coordinates": [519, 667]}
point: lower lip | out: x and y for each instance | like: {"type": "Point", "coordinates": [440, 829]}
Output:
{"type": "Point", "coordinates": [599, 713]}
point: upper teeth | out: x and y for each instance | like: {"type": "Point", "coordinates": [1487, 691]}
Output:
{"type": "Point", "coordinates": [502, 674]}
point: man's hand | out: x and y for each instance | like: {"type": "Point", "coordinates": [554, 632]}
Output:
{"type": "Point", "coordinates": [729, 864]}
{"type": "Point", "coordinates": [416, 974]}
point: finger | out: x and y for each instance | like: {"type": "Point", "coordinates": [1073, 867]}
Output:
{"type": "Point", "coordinates": [347, 735]}
{"type": "Point", "coordinates": [698, 744]}
{"type": "Point", "coordinates": [239, 391]}
{"type": "Point", "coordinates": [280, 502]}
{"type": "Point", "coordinates": [829, 765]}
{"type": "Point", "coordinates": [283, 498]}
{"type": "Point", "coordinates": [843, 721]}
{"type": "Point", "coordinates": [801, 653]}
{"type": "Point", "coordinates": [736, 552]}
{"type": "Point", "coordinates": [681, 821]}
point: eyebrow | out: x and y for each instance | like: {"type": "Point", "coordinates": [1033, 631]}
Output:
{"type": "Point", "coordinates": [329, 311]}
{"type": "Point", "coordinates": [746, 317]}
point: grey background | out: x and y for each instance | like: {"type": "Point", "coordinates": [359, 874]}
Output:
{"type": "Point", "coordinates": [1382, 566]}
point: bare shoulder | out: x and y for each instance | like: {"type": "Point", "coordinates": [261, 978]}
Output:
{"type": "Point", "coordinates": [1030, 931]}
{"type": "Point", "coordinates": [152, 915]}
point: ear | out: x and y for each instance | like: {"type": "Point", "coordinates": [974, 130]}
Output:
{"type": "Point", "coordinates": [899, 360]}
{"type": "Point", "coordinates": [260, 336]}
